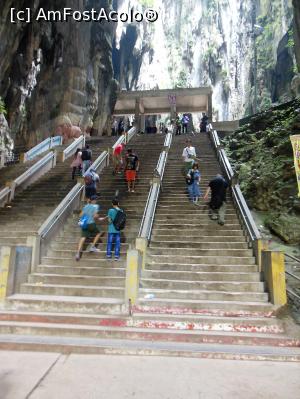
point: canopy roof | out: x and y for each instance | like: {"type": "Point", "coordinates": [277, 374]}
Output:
{"type": "Point", "coordinates": [153, 102]}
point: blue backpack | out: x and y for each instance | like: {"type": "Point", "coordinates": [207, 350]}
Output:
{"type": "Point", "coordinates": [83, 222]}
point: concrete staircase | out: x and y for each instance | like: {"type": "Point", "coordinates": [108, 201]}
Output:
{"type": "Point", "coordinates": [31, 207]}
{"type": "Point", "coordinates": [200, 295]}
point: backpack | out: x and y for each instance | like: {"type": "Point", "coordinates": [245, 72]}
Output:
{"type": "Point", "coordinates": [86, 155]}
{"type": "Point", "coordinates": [119, 220]}
{"type": "Point", "coordinates": [83, 222]}
{"type": "Point", "coordinates": [88, 180]}
{"type": "Point", "coordinates": [190, 180]}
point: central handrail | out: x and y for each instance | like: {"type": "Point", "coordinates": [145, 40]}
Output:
{"type": "Point", "coordinates": [4, 195]}
{"type": "Point", "coordinates": [45, 145]}
{"type": "Point", "coordinates": [71, 149]}
{"type": "Point", "coordinates": [146, 225]}
{"type": "Point", "coordinates": [34, 168]}
{"type": "Point", "coordinates": [60, 209]}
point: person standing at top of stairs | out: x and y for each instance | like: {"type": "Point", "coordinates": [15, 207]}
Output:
{"type": "Point", "coordinates": [217, 187]}
{"type": "Point", "coordinates": [132, 165]}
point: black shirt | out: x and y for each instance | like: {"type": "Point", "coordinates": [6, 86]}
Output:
{"type": "Point", "coordinates": [218, 187]}
{"type": "Point", "coordinates": [131, 162]}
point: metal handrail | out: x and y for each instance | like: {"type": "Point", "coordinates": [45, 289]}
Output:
{"type": "Point", "coordinates": [45, 145]}
{"type": "Point", "coordinates": [291, 292]}
{"type": "Point", "coordinates": [125, 138]}
{"type": "Point", "coordinates": [168, 140]}
{"type": "Point", "coordinates": [146, 225]}
{"type": "Point", "coordinates": [4, 193]}
{"type": "Point", "coordinates": [34, 168]}
{"type": "Point", "coordinates": [60, 210]}
{"type": "Point", "coordinates": [73, 146]}
{"type": "Point", "coordinates": [238, 197]}
{"type": "Point", "coordinates": [226, 164]}
{"type": "Point", "coordinates": [245, 213]}
{"type": "Point", "coordinates": [103, 157]}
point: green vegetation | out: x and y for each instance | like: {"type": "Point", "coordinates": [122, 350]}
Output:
{"type": "Point", "coordinates": [147, 3]}
{"type": "Point", "coordinates": [2, 107]}
{"type": "Point", "coordinates": [262, 155]}
{"type": "Point", "coordinates": [291, 42]}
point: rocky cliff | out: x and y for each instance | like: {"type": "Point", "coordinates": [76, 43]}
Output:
{"type": "Point", "coordinates": [56, 76]}
{"type": "Point", "coordinates": [201, 42]}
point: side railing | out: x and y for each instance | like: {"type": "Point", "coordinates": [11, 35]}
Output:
{"type": "Point", "coordinates": [50, 228]}
{"type": "Point", "coordinates": [270, 263]}
{"type": "Point", "coordinates": [293, 280]}
{"type": "Point", "coordinates": [4, 196]}
{"type": "Point", "coordinates": [44, 146]}
{"type": "Point", "coordinates": [136, 257]}
{"type": "Point", "coordinates": [71, 149]}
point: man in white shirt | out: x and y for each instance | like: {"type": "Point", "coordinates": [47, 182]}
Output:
{"type": "Point", "coordinates": [188, 156]}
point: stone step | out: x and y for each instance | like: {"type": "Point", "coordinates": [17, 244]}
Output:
{"type": "Point", "coordinates": [71, 244]}
{"type": "Point", "coordinates": [196, 267]}
{"type": "Point", "coordinates": [84, 261]}
{"type": "Point", "coordinates": [202, 294]}
{"type": "Point", "coordinates": [198, 244]}
{"type": "Point", "coordinates": [208, 260]}
{"type": "Point", "coordinates": [206, 285]}
{"type": "Point", "coordinates": [80, 270]}
{"type": "Point", "coordinates": [197, 219]}
{"type": "Point", "coordinates": [73, 290]}
{"type": "Point", "coordinates": [189, 227]}
{"type": "Point", "coordinates": [73, 279]}
{"type": "Point", "coordinates": [197, 276]}
{"type": "Point", "coordinates": [195, 251]}
{"type": "Point", "coordinates": [196, 233]}
{"type": "Point", "coordinates": [91, 255]}
{"type": "Point", "coordinates": [12, 240]}
{"type": "Point", "coordinates": [74, 304]}
{"type": "Point", "coordinates": [146, 334]}
{"type": "Point", "coordinates": [165, 321]}
{"type": "Point", "coordinates": [204, 307]}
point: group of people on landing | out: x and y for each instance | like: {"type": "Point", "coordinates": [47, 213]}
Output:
{"type": "Point", "coordinates": [217, 186]}
{"type": "Point", "coordinates": [182, 123]}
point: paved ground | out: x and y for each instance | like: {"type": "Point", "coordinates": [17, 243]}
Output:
{"type": "Point", "coordinates": [47, 376]}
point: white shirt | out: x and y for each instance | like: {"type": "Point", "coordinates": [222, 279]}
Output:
{"type": "Point", "coordinates": [188, 154]}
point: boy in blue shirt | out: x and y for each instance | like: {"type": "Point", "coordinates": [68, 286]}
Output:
{"type": "Point", "coordinates": [114, 235]}
{"type": "Point", "coordinates": [91, 210]}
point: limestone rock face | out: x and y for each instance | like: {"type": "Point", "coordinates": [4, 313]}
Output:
{"type": "Point", "coordinates": [55, 70]}
{"type": "Point", "coordinates": [296, 4]}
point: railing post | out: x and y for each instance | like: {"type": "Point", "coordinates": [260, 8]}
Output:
{"type": "Point", "coordinates": [5, 256]}
{"type": "Point", "coordinates": [259, 245]}
{"type": "Point", "coordinates": [274, 273]}
{"type": "Point", "coordinates": [133, 267]}
{"type": "Point", "coordinates": [35, 243]}
{"type": "Point", "coordinates": [141, 245]}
